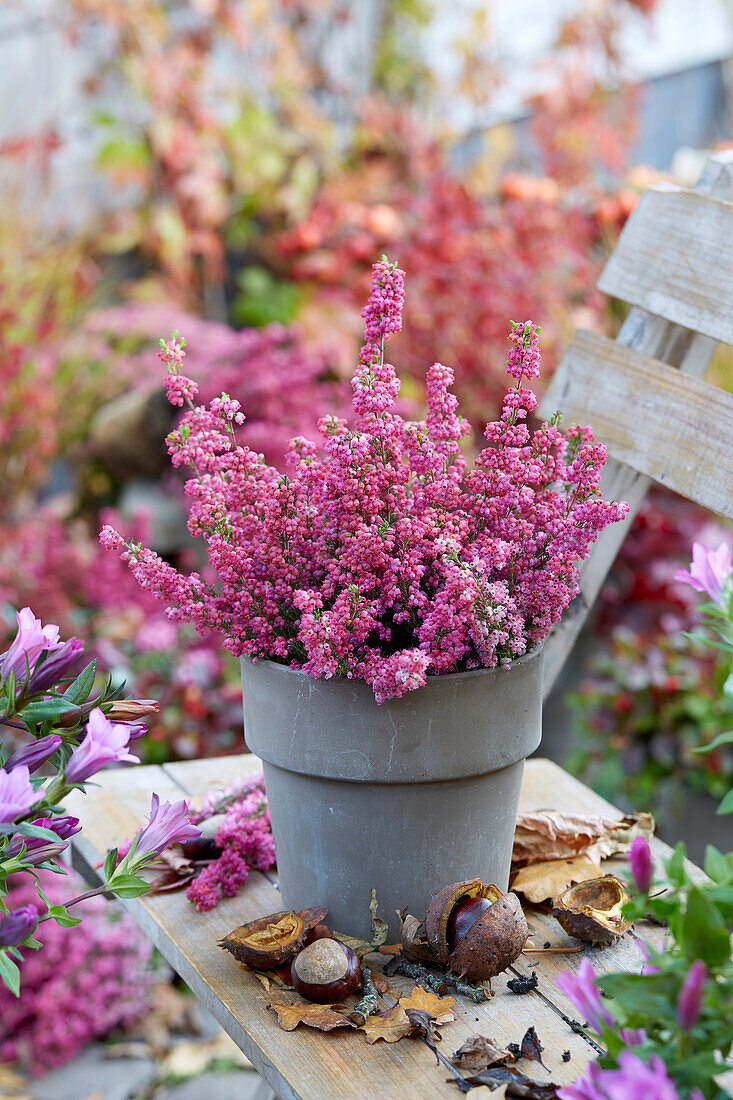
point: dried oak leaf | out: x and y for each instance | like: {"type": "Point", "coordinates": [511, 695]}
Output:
{"type": "Point", "coordinates": [546, 880]}
{"type": "Point", "coordinates": [323, 1017]}
{"type": "Point", "coordinates": [532, 1048]}
{"type": "Point", "coordinates": [424, 1025]}
{"type": "Point", "coordinates": [547, 834]}
{"type": "Point", "coordinates": [380, 983]}
{"type": "Point", "coordinates": [379, 933]}
{"type": "Point", "coordinates": [391, 1027]}
{"type": "Point", "coordinates": [477, 1053]}
{"type": "Point", "coordinates": [440, 1008]}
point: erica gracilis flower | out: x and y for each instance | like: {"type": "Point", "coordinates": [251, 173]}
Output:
{"type": "Point", "coordinates": [168, 824]}
{"type": "Point", "coordinates": [16, 793]}
{"type": "Point", "coordinates": [104, 743]}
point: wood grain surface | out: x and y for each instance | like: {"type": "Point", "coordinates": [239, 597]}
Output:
{"type": "Point", "coordinates": [309, 1065]}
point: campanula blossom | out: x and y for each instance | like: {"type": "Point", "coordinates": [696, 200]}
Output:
{"type": "Point", "coordinates": [640, 862]}
{"type": "Point", "coordinates": [16, 925]}
{"type": "Point", "coordinates": [582, 990]}
{"type": "Point", "coordinates": [104, 743]}
{"type": "Point", "coordinates": [30, 641]}
{"type": "Point", "coordinates": [709, 570]}
{"type": "Point", "coordinates": [57, 666]}
{"type": "Point", "coordinates": [633, 1080]}
{"type": "Point", "coordinates": [168, 824]}
{"type": "Point", "coordinates": [689, 1001]}
{"type": "Point", "coordinates": [17, 795]}
{"type": "Point", "coordinates": [35, 754]}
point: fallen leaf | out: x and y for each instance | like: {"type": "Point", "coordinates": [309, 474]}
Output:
{"type": "Point", "coordinates": [549, 835]}
{"type": "Point", "coordinates": [532, 1048]}
{"type": "Point", "coordinates": [392, 1027]}
{"type": "Point", "coordinates": [523, 983]}
{"type": "Point", "coordinates": [380, 983]}
{"type": "Point", "coordinates": [517, 1084]}
{"type": "Point", "coordinates": [546, 880]}
{"type": "Point", "coordinates": [270, 978]}
{"type": "Point", "coordinates": [477, 1053]}
{"type": "Point", "coordinates": [486, 1091]}
{"type": "Point", "coordinates": [192, 1057]}
{"type": "Point", "coordinates": [390, 949]}
{"type": "Point", "coordinates": [424, 1025]}
{"type": "Point", "coordinates": [440, 1008]}
{"type": "Point", "coordinates": [322, 1017]}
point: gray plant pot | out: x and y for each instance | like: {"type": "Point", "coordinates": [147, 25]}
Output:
{"type": "Point", "coordinates": [405, 797]}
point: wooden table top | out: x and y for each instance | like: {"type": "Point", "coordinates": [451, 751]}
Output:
{"type": "Point", "coordinates": [306, 1064]}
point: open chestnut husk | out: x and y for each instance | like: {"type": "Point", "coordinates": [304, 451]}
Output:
{"type": "Point", "coordinates": [413, 939]}
{"type": "Point", "coordinates": [592, 911]}
{"type": "Point", "coordinates": [475, 930]}
{"type": "Point", "coordinates": [270, 942]}
{"type": "Point", "coordinates": [326, 971]}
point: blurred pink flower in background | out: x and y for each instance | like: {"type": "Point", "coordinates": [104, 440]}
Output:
{"type": "Point", "coordinates": [709, 570]}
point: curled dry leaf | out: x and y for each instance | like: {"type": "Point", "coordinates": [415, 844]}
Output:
{"type": "Point", "coordinates": [546, 880]}
{"type": "Point", "coordinates": [379, 933]}
{"type": "Point", "coordinates": [531, 1047]}
{"type": "Point", "coordinates": [380, 983]}
{"type": "Point", "coordinates": [477, 1053]}
{"type": "Point", "coordinates": [517, 1083]}
{"type": "Point", "coordinates": [549, 835]}
{"type": "Point", "coordinates": [323, 1017]}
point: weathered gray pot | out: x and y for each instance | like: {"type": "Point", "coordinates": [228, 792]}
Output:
{"type": "Point", "coordinates": [405, 797]}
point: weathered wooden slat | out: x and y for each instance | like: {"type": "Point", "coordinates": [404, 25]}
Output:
{"type": "Point", "coordinates": [307, 1065]}
{"type": "Point", "coordinates": [676, 430]}
{"type": "Point", "coordinates": [674, 258]}
{"type": "Point", "coordinates": [659, 339]}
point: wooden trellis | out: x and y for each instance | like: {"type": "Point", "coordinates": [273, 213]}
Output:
{"type": "Point", "coordinates": [643, 392]}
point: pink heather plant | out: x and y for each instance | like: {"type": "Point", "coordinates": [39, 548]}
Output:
{"type": "Point", "coordinates": [244, 835]}
{"type": "Point", "coordinates": [383, 557]}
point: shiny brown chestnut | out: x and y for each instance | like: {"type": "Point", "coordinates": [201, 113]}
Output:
{"type": "Point", "coordinates": [326, 971]}
{"type": "Point", "coordinates": [204, 846]}
{"type": "Point", "coordinates": [464, 915]}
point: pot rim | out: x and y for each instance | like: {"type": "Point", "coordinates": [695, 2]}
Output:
{"type": "Point", "coordinates": [432, 678]}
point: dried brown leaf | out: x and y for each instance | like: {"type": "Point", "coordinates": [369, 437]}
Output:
{"type": "Point", "coordinates": [380, 983]}
{"type": "Point", "coordinates": [322, 1017]}
{"type": "Point", "coordinates": [392, 1027]}
{"type": "Point", "coordinates": [517, 1084]}
{"type": "Point", "coordinates": [531, 1047]}
{"type": "Point", "coordinates": [477, 1053]}
{"type": "Point", "coordinates": [440, 1008]}
{"type": "Point", "coordinates": [549, 835]}
{"type": "Point", "coordinates": [546, 880]}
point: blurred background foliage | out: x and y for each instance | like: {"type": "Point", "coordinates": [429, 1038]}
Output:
{"type": "Point", "coordinates": [247, 162]}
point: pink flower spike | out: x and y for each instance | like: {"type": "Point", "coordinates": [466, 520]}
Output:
{"type": "Point", "coordinates": [640, 862]}
{"type": "Point", "coordinates": [690, 998]}
{"type": "Point", "coordinates": [581, 989]}
{"type": "Point", "coordinates": [31, 639]}
{"type": "Point", "coordinates": [104, 743]}
{"type": "Point", "coordinates": [168, 824]}
{"type": "Point", "coordinates": [709, 570]}
{"type": "Point", "coordinates": [16, 793]}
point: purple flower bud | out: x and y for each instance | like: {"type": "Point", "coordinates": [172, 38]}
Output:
{"type": "Point", "coordinates": [35, 754]}
{"type": "Point", "coordinates": [690, 998]}
{"type": "Point", "coordinates": [16, 925]}
{"type": "Point", "coordinates": [56, 666]}
{"type": "Point", "coordinates": [633, 1036]}
{"type": "Point", "coordinates": [38, 849]}
{"type": "Point", "coordinates": [640, 861]}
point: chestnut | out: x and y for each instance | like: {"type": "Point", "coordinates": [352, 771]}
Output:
{"type": "Point", "coordinates": [326, 971]}
{"type": "Point", "coordinates": [204, 846]}
{"type": "Point", "coordinates": [464, 915]}
{"type": "Point", "coordinates": [475, 930]}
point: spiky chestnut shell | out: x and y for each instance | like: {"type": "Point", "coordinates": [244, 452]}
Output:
{"type": "Point", "coordinates": [493, 939]}
{"type": "Point", "coordinates": [270, 942]}
{"type": "Point", "coordinates": [326, 971]}
{"type": "Point", "coordinates": [592, 911]}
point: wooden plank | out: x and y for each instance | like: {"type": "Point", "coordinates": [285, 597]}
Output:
{"type": "Point", "coordinates": [196, 777]}
{"type": "Point", "coordinates": [303, 1064]}
{"type": "Point", "coordinates": [659, 339]}
{"type": "Point", "coordinates": [676, 430]}
{"type": "Point", "coordinates": [674, 258]}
